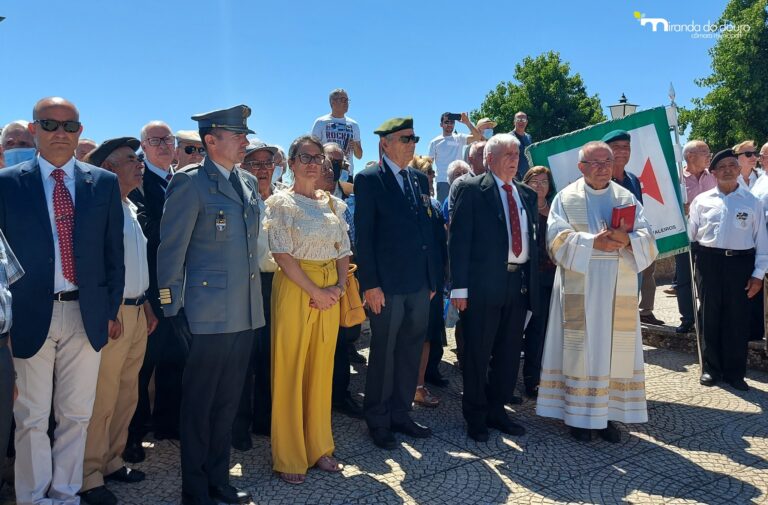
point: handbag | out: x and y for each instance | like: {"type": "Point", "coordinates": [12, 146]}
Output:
{"type": "Point", "coordinates": [351, 311]}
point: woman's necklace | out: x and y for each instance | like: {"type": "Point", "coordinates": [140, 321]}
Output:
{"type": "Point", "coordinates": [542, 207]}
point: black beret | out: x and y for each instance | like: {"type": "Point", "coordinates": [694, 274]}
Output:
{"type": "Point", "coordinates": [101, 153]}
{"type": "Point", "coordinates": [725, 153]}
{"type": "Point", "coordinates": [394, 125]}
{"type": "Point", "coordinates": [615, 135]}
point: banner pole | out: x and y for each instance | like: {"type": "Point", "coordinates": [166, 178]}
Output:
{"type": "Point", "coordinates": [684, 195]}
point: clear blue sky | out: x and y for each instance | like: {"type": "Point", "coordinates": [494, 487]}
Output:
{"type": "Point", "coordinates": [126, 63]}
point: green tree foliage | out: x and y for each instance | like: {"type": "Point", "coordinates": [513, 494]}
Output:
{"type": "Point", "coordinates": [556, 101]}
{"type": "Point", "coordinates": [736, 106]}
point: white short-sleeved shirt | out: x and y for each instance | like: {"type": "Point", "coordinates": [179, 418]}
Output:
{"type": "Point", "coordinates": [340, 130]}
{"type": "Point", "coordinates": [444, 150]}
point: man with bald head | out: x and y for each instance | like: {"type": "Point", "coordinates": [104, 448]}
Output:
{"type": "Point", "coordinates": [163, 358]}
{"type": "Point", "coordinates": [84, 146]}
{"type": "Point", "coordinates": [16, 143]}
{"type": "Point", "coordinates": [64, 221]}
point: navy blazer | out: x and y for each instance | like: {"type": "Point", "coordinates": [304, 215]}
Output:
{"type": "Point", "coordinates": [395, 248]}
{"type": "Point", "coordinates": [478, 242]}
{"type": "Point", "coordinates": [150, 204]}
{"type": "Point", "coordinates": [98, 250]}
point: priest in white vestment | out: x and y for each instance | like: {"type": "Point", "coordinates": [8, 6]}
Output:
{"type": "Point", "coordinates": [592, 368]}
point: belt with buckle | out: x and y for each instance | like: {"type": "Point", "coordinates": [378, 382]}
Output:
{"type": "Point", "coordinates": [66, 296]}
{"type": "Point", "coordinates": [514, 267]}
{"type": "Point", "coordinates": [726, 252]}
{"type": "Point", "coordinates": [3, 339]}
{"type": "Point", "coordinates": [135, 301]}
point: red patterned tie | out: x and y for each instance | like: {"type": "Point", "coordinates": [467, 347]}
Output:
{"type": "Point", "coordinates": [64, 212]}
{"type": "Point", "coordinates": [514, 222]}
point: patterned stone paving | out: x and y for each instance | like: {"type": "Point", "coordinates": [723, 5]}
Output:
{"type": "Point", "coordinates": [700, 446]}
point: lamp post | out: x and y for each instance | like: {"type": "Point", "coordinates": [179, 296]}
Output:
{"type": "Point", "coordinates": [622, 109]}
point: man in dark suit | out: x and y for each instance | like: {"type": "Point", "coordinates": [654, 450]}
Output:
{"type": "Point", "coordinates": [164, 357]}
{"type": "Point", "coordinates": [207, 263]}
{"type": "Point", "coordinates": [492, 251]}
{"type": "Point", "coordinates": [395, 255]}
{"type": "Point", "coordinates": [64, 221]}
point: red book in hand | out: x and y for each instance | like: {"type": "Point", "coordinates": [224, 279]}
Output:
{"type": "Point", "coordinates": [625, 212]}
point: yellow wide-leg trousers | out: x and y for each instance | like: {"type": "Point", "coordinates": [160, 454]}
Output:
{"type": "Point", "coordinates": [303, 345]}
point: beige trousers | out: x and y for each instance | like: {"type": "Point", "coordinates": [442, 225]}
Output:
{"type": "Point", "coordinates": [117, 392]}
{"type": "Point", "coordinates": [48, 475]}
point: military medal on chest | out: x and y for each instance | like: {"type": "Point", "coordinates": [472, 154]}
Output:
{"type": "Point", "coordinates": [221, 221]}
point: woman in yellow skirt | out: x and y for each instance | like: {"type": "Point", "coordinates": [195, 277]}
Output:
{"type": "Point", "coordinates": [308, 239]}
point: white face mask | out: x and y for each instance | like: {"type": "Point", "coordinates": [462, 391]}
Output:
{"type": "Point", "coordinates": [277, 173]}
{"type": "Point", "coordinates": [488, 133]}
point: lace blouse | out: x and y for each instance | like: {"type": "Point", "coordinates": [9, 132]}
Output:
{"type": "Point", "coordinates": [306, 229]}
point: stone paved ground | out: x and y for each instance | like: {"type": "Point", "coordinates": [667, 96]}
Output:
{"type": "Point", "coordinates": [700, 446]}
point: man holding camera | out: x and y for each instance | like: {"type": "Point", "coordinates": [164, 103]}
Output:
{"type": "Point", "coordinates": [449, 147]}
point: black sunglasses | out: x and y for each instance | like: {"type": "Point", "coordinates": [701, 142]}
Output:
{"type": "Point", "coordinates": [51, 125]}
{"type": "Point", "coordinates": [409, 138]}
{"type": "Point", "coordinates": [748, 154]}
{"type": "Point", "coordinates": [192, 149]}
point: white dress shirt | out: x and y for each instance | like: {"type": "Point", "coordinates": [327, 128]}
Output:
{"type": "Point", "coordinates": [157, 171]}
{"type": "Point", "coordinates": [46, 169]}
{"type": "Point", "coordinates": [395, 169]}
{"type": "Point", "coordinates": [135, 245]}
{"type": "Point", "coordinates": [733, 221]}
{"type": "Point", "coordinates": [266, 262]}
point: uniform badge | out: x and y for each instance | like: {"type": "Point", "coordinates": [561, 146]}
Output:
{"type": "Point", "coordinates": [427, 202]}
{"type": "Point", "coordinates": [221, 221]}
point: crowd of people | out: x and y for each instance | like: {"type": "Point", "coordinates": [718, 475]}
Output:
{"type": "Point", "coordinates": [222, 272]}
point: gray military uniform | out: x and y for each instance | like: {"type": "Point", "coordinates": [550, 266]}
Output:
{"type": "Point", "coordinates": [207, 260]}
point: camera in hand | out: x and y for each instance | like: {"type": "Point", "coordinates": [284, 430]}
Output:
{"type": "Point", "coordinates": [453, 117]}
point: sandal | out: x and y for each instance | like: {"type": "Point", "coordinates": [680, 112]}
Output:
{"type": "Point", "coordinates": [328, 464]}
{"type": "Point", "coordinates": [424, 398]}
{"type": "Point", "coordinates": [292, 478]}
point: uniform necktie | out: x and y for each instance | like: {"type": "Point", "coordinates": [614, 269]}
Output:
{"type": "Point", "coordinates": [235, 181]}
{"type": "Point", "coordinates": [169, 176]}
{"type": "Point", "coordinates": [514, 221]}
{"type": "Point", "coordinates": [64, 214]}
{"type": "Point", "coordinates": [408, 190]}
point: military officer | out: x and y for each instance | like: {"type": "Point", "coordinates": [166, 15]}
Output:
{"type": "Point", "coordinates": [210, 288]}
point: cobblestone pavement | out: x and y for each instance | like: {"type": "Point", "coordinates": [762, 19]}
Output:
{"type": "Point", "coordinates": [701, 445]}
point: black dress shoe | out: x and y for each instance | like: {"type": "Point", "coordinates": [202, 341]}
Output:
{"type": "Point", "coordinates": [505, 425]}
{"type": "Point", "coordinates": [349, 407]}
{"type": "Point", "coordinates": [651, 319]}
{"type": "Point", "coordinates": [477, 433]}
{"type": "Point", "coordinates": [515, 400]}
{"type": "Point", "coordinates": [707, 380]}
{"type": "Point", "coordinates": [229, 494]}
{"type": "Point", "coordinates": [356, 357]}
{"type": "Point", "coordinates": [412, 429]}
{"type": "Point", "coordinates": [98, 496]}
{"type": "Point", "coordinates": [532, 391]}
{"type": "Point", "coordinates": [436, 380]}
{"type": "Point", "coordinates": [242, 442]}
{"type": "Point", "coordinates": [610, 434]}
{"type": "Point", "coordinates": [134, 453]}
{"type": "Point", "coordinates": [127, 475]}
{"type": "Point", "coordinates": [739, 384]}
{"type": "Point", "coordinates": [581, 434]}
{"type": "Point", "coordinates": [685, 328]}
{"type": "Point", "coordinates": [383, 438]}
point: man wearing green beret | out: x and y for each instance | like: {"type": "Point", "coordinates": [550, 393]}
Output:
{"type": "Point", "coordinates": [395, 241]}
{"type": "Point", "coordinates": [619, 142]}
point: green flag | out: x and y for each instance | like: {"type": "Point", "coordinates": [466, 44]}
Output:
{"type": "Point", "coordinates": [652, 161]}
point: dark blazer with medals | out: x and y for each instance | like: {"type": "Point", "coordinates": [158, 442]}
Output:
{"type": "Point", "coordinates": [98, 251]}
{"type": "Point", "coordinates": [478, 242]}
{"type": "Point", "coordinates": [395, 243]}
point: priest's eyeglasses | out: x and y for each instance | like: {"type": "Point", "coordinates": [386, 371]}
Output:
{"type": "Point", "coordinates": [598, 163]}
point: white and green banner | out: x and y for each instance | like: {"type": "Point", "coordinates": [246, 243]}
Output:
{"type": "Point", "coordinates": [652, 161]}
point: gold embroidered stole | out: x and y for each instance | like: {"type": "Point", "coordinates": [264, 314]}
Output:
{"type": "Point", "coordinates": [573, 296]}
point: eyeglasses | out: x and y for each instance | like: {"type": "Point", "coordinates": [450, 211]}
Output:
{"type": "Point", "coordinates": [598, 163]}
{"type": "Point", "coordinates": [342, 99]}
{"type": "Point", "coordinates": [533, 183]}
{"type": "Point", "coordinates": [51, 125]}
{"type": "Point", "coordinates": [318, 159]}
{"type": "Point", "coordinates": [192, 149]}
{"type": "Point", "coordinates": [748, 154]}
{"type": "Point", "coordinates": [257, 165]}
{"type": "Point", "coordinates": [521, 120]}
{"type": "Point", "coordinates": [409, 138]}
{"type": "Point", "coordinates": [156, 141]}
